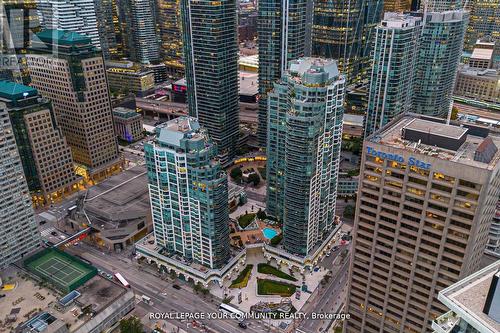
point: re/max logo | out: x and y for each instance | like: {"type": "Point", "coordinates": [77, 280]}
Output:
{"type": "Point", "coordinates": [412, 161]}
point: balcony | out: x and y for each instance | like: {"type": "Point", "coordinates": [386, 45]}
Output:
{"type": "Point", "coordinates": [445, 323]}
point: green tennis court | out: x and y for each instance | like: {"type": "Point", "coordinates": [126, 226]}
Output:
{"type": "Point", "coordinates": [63, 270]}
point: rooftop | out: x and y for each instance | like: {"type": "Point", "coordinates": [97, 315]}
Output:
{"type": "Point", "coordinates": [173, 131]}
{"type": "Point", "coordinates": [467, 298]}
{"type": "Point", "coordinates": [313, 71]}
{"type": "Point", "coordinates": [125, 112]}
{"type": "Point", "coordinates": [249, 83]}
{"type": "Point", "coordinates": [399, 20]}
{"type": "Point", "coordinates": [482, 54]}
{"type": "Point", "coordinates": [432, 137]}
{"type": "Point", "coordinates": [119, 198]}
{"type": "Point", "coordinates": [63, 37]}
{"type": "Point", "coordinates": [15, 91]}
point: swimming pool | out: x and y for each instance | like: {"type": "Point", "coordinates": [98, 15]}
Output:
{"type": "Point", "coordinates": [269, 233]}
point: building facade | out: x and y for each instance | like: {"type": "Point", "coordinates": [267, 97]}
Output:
{"type": "Point", "coordinates": [131, 80]}
{"type": "Point", "coordinates": [393, 68]}
{"type": "Point", "coordinates": [281, 26]}
{"type": "Point", "coordinates": [398, 6]}
{"type": "Point", "coordinates": [113, 42]}
{"type": "Point", "coordinates": [139, 21]}
{"type": "Point", "coordinates": [344, 30]}
{"type": "Point", "coordinates": [484, 22]}
{"type": "Point", "coordinates": [303, 151]}
{"type": "Point", "coordinates": [128, 124]}
{"type": "Point", "coordinates": [169, 15]}
{"type": "Point", "coordinates": [211, 61]}
{"type": "Point", "coordinates": [438, 58]}
{"type": "Point", "coordinates": [45, 155]}
{"type": "Point", "coordinates": [427, 195]}
{"type": "Point", "coordinates": [189, 194]}
{"type": "Point", "coordinates": [72, 15]}
{"type": "Point", "coordinates": [66, 68]}
{"type": "Point", "coordinates": [19, 233]}
{"type": "Point", "coordinates": [478, 84]}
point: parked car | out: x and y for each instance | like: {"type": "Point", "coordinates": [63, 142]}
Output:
{"type": "Point", "coordinates": [242, 325]}
{"type": "Point", "coordinates": [53, 233]}
{"type": "Point", "coordinates": [176, 286]}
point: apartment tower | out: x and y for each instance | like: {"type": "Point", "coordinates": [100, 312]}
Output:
{"type": "Point", "coordinates": [45, 155]}
{"type": "Point", "coordinates": [189, 193]}
{"type": "Point", "coordinates": [438, 58]}
{"type": "Point", "coordinates": [72, 15]}
{"type": "Point", "coordinates": [19, 233]}
{"type": "Point", "coordinates": [169, 21]}
{"type": "Point", "coordinates": [66, 68]}
{"type": "Point", "coordinates": [427, 195]}
{"type": "Point", "coordinates": [484, 22]}
{"type": "Point", "coordinates": [393, 68]}
{"type": "Point", "coordinates": [211, 60]}
{"type": "Point", "coordinates": [303, 151]}
{"type": "Point", "coordinates": [281, 27]}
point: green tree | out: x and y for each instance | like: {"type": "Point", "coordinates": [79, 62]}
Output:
{"type": "Point", "coordinates": [261, 215]}
{"type": "Point", "coordinates": [454, 113]}
{"type": "Point", "coordinates": [131, 325]}
{"type": "Point", "coordinates": [254, 178]}
{"type": "Point", "coordinates": [348, 212]}
{"type": "Point", "coordinates": [236, 173]}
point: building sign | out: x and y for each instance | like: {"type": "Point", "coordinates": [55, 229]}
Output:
{"type": "Point", "coordinates": [412, 161]}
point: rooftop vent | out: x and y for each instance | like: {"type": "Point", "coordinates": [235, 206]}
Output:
{"type": "Point", "coordinates": [485, 151]}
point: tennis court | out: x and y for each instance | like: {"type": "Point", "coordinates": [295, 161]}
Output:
{"type": "Point", "coordinates": [65, 271]}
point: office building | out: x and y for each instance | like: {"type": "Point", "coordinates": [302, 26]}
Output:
{"type": "Point", "coordinates": [66, 68]}
{"type": "Point", "coordinates": [281, 28]}
{"type": "Point", "coordinates": [211, 61]}
{"type": "Point", "coordinates": [71, 15]}
{"type": "Point", "coordinates": [483, 55]}
{"type": "Point", "coordinates": [139, 21]}
{"type": "Point", "coordinates": [442, 5]}
{"type": "Point", "coordinates": [484, 22]}
{"type": "Point", "coordinates": [393, 68]}
{"type": "Point", "coordinates": [438, 58]}
{"type": "Point", "coordinates": [344, 30]}
{"type": "Point", "coordinates": [478, 84]}
{"type": "Point", "coordinates": [19, 233]}
{"type": "Point", "coordinates": [493, 246]}
{"type": "Point", "coordinates": [45, 155]}
{"type": "Point", "coordinates": [426, 198]}
{"type": "Point", "coordinates": [135, 80]}
{"type": "Point", "coordinates": [473, 303]}
{"type": "Point", "coordinates": [18, 19]}
{"type": "Point", "coordinates": [188, 192]}
{"type": "Point", "coordinates": [128, 124]}
{"type": "Point", "coordinates": [113, 42]}
{"type": "Point", "coordinates": [398, 6]}
{"type": "Point", "coordinates": [169, 21]}
{"type": "Point", "coordinates": [303, 151]}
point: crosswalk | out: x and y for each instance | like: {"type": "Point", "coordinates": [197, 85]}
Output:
{"type": "Point", "coordinates": [46, 232]}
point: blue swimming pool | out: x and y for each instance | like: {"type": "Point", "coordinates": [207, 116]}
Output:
{"type": "Point", "coordinates": [269, 233]}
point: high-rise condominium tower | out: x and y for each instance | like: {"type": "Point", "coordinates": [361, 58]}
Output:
{"type": "Point", "coordinates": [303, 151]}
{"type": "Point", "coordinates": [139, 19]}
{"type": "Point", "coordinates": [442, 5]}
{"type": "Point", "coordinates": [397, 5]}
{"type": "Point", "coordinates": [188, 191]}
{"type": "Point", "coordinates": [72, 15]}
{"type": "Point", "coordinates": [110, 29]}
{"type": "Point", "coordinates": [394, 60]}
{"type": "Point", "coordinates": [169, 20]}
{"type": "Point", "coordinates": [45, 155]}
{"type": "Point", "coordinates": [281, 27]}
{"type": "Point", "coordinates": [66, 68]}
{"type": "Point", "coordinates": [211, 58]}
{"type": "Point", "coordinates": [18, 22]}
{"type": "Point", "coordinates": [344, 30]}
{"type": "Point", "coordinates": [438, 58]}
{"type": "Point", "coordinates": [19, 233]}
{"type": "Point", "coordinates": [484, 22]}
{"type": "Point", "coordinates": [427, 195]}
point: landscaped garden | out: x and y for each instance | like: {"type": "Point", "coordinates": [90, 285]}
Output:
{"type": "Point", "coordinates": [245, 220]}
{"type": "Point", "coordinates": [271, 287]}
{"type": "Point", "coordinates": [241, 280]}
{"type": "Point", "coordinates": [268, 269]}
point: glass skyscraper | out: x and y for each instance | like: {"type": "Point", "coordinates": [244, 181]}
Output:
{"type": "Point", "coordinates": [392, 76]}
{"type": "Point", "coordinates": [211, 60]}
{"type": "Point", "coordinates": [169, 21]}
{"type": "Point", "coordinates": [281, 29]}
{"type": "Point", "coordinates": [189, 193]}
{"type": "Point", "coordinates": [303, 151]}
{"type": "Point", "coordinates": [438, 58]}
{"type": "Point", "coordinates": [344, 30]}
{"type": "Point", "coordinates": [484, 21]}
{"type": "Point", "coordinates": [19, 233]}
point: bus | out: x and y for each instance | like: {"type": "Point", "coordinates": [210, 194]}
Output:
{"type": "Point", "coordinates": [122, 280]}
{"type": "Point", "coordinates": [233, 312]}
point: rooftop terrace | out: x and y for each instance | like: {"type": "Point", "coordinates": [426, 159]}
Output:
{"type": "Point", "coordinates": [432, 137]}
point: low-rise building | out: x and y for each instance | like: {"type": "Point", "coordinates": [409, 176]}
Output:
{"type": "Point", "coordinates": [478, 84]}
{"type": "Point", "coordinates": [347, 185]}
{"type": "Point", "coordinates": [474, 304]}
{"type": "Point", "coordinates": [128, 124]}
{"type": "Point", "coordinates": [134, 80]}
{"type": "Point", "coordinates": [118, 209]}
